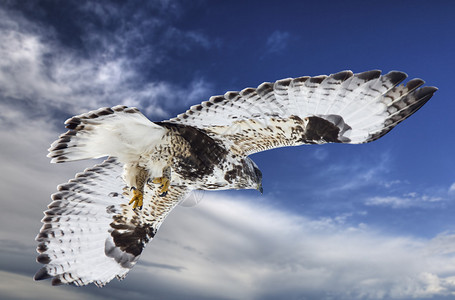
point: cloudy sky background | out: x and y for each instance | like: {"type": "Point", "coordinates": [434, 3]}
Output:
{"type": "Point", "coordinates": [367, 221]}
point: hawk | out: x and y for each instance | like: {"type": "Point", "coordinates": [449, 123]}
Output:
{"type": "Point", "coordinates": [98, 223]}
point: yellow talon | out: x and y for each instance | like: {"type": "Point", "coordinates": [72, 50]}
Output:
{"type": "Point", "coordinates": [137, 199]}
{"type": "Point", "coordinates": [165, 183]}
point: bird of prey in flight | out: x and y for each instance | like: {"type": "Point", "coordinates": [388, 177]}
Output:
{"type": "Point", "coordinates": [98, 223]}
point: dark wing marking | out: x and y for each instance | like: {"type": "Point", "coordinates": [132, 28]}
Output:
{"type": "Point", "coordinates": [90, 234]}
{"type": "Point", "coordinates": [132, 229]}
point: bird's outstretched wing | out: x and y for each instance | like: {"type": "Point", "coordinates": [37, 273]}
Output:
{"type": "Point", "coordinates": [91, 234]}
{"type": "Point", "coordinates": [343, 108]}
{"type": "Point", "coordinates": [119, 131]}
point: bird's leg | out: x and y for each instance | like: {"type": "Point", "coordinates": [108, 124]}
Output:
{"type": "Point", "coordinates": [138, 190]}
{"type": "Point", "coordinates": [165, 181]}
{"type": "Point", "coordinates": [137, 199]}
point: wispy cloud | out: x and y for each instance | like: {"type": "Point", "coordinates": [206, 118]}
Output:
{"type": "Point", "coordinates": [36, 68]}
{"type": "Point", "coordinates": [347, 175]}
{"type": "Point", "coordinates": [410, 199]}
{"type": "Point", "coordinates": [287, 255]}
{"type": "Point", "coordinates": [277, 42]}
{"type": "Point", "coordinates": [320, 154]}
{"type": "Point", "coordinates": [394, 202]}
{"type": "Point", "coordinates": [452, 188]}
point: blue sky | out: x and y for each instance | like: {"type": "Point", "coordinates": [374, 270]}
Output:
{"type": "Point", "coordinates": [369, 221]}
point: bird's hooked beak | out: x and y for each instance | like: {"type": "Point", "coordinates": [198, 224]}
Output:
{"type": "Point", "coordinates": [260, 189]}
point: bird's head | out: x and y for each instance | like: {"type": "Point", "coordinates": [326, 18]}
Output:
{"type": "Point", "coordinates": [260, 189]}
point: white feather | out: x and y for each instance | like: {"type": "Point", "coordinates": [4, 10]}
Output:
{"type": "Point", "coordinates": [121, 132]}
{"type": "Point", "coordinates": [364, 101]}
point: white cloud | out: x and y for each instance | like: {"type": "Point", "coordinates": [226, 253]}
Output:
{"type": "Point", "coordinates": [452, 188]}
{"type": "Point", "coordinates": [391, 183]}
{"type": "Point", "coordinates": [412, 199]}
{"type": "Point", "coordinates": [394, 202]}
{"type": "Point", "coordinates": [264, 252]}
{"type": "Point", "coordinates": [369, 177]}
{"type": "Point", "coordinates": [22, 74]}
{"type": "Point", "coordinates": [27, 178]}
{"type": "Point", "coordinates": [34, 67]}
{"type": "Point", "coordinates": [172, 95]}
